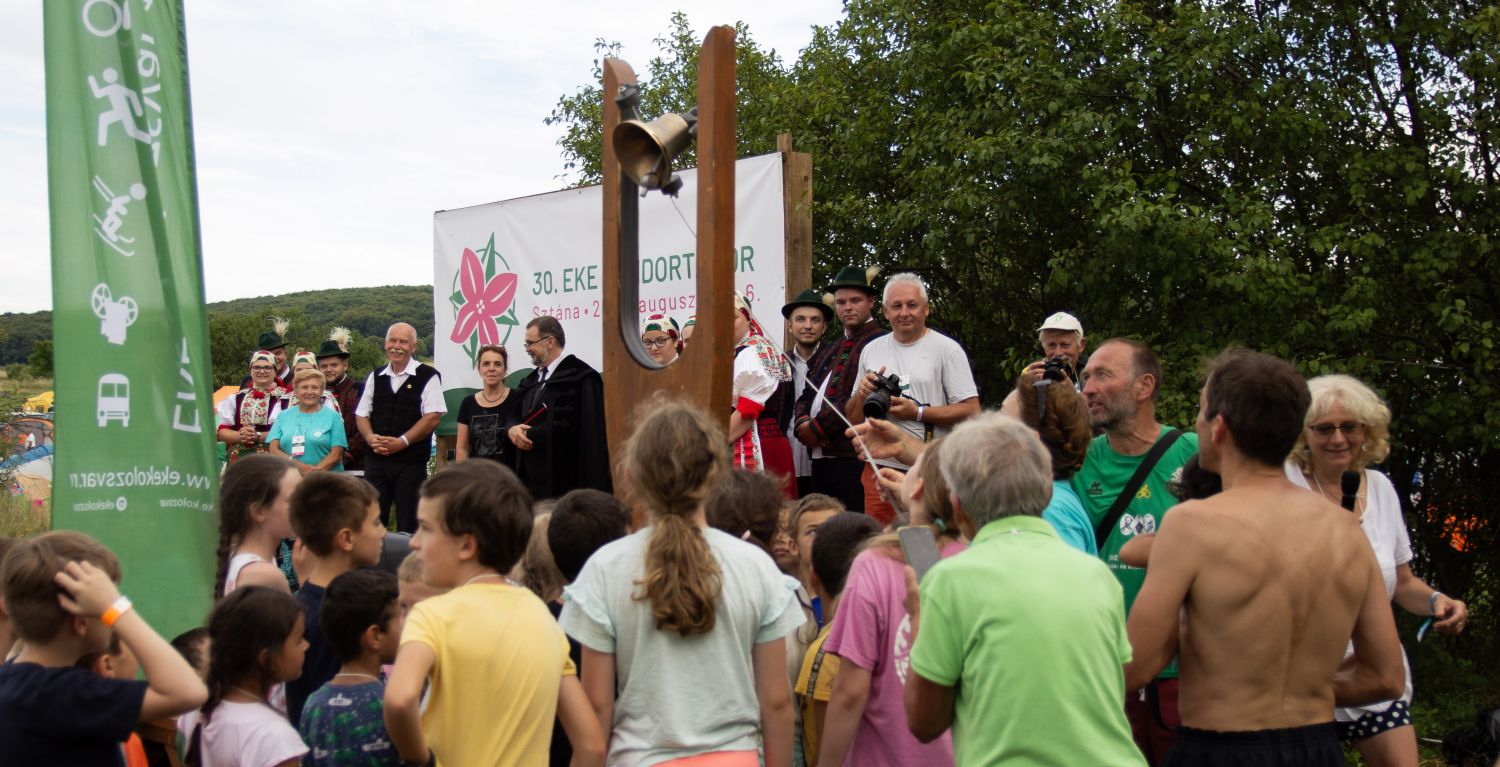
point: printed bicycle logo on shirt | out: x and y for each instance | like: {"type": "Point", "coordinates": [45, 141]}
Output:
{"type": "Point", "coordinates": [483, 301]}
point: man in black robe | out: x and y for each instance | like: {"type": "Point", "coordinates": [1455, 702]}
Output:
{"type": "Point", "coordinates": [559, 428]}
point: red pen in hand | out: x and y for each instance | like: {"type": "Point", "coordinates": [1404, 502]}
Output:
{"type": "Point", "coordinates": [533, 416]}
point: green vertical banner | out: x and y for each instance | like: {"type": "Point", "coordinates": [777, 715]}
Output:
{"type": "Point", "coordinates": [135, 463]}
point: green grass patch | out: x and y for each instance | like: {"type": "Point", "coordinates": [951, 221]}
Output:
{"type": "Point", "coordinates": [24, 387]}
{"type": "Point", "coordinates": [20, 518]}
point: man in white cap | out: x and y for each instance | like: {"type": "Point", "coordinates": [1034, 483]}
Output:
{"type": "Point", "coordinates": [1061, 336]}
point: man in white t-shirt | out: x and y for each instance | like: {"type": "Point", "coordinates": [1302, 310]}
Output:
{"type": "Point", "coordinates": [937, 384]}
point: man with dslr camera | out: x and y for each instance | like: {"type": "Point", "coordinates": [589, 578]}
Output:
{"type": "Point", "coordinates": [1061, 336]}
{"type": "Point", "coordinates": [914, 377]}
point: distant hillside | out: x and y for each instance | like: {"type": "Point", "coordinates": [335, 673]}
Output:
{"type": "Point", "coordinates": [233, 324]}
{"type": "Point", "coordinates": [21, 331]}
{"type": "Point", "coordinates": [368, 311]}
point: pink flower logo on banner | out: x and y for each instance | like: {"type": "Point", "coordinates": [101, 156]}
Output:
{"type": "Point", "coordinates": [483, 301]}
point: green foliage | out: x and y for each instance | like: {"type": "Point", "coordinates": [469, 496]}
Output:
{"type": "Point", "coordinates": [39, 364]}
{"type": "Point", "coordinates": [19, 331]}
{"type": "Point", "coordinates": [10, 409]}
{"type": "Point", "coordinates": [19, 518]}
{"type": "Point", "coordinates": [669, 84]}
{"type": "Point", "coordinates": [233, 327]}
{"type": "Point", "coordinates": [1316, 181]}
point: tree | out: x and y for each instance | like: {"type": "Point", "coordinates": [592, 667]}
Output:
{"type": "Point", "coordinates": [231, 339]}
{"type": "Point", "coordinates": [39, 364]}
{"type": "Point", "coordinates": [669, 84]}
{"type": "Point", "coordinates": [1316, 181]}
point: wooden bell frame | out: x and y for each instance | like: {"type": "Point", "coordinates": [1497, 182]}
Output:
{"type": "Point", "coordinates": [701, 375]}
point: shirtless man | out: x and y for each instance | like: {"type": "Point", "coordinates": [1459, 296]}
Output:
{"type": "Point", "coordinates": [1270, 581]}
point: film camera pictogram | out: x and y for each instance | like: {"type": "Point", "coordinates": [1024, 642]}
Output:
{"type": "Point", "coordinates": [114, 316]}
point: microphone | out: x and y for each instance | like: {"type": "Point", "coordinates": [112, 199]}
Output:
{"type": "Point", "coordinates": [1349, 484]}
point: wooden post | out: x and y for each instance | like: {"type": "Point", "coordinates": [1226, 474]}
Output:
{"type": "Point", "coordinates": [702, 374]}
{"type": "Point", "coordinates": [796, 195]}
{"type": "Point", "coordinates": [446, 443]}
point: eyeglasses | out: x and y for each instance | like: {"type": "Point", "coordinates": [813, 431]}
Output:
{"type": "Point", "coordinates": [529, 344]}
{"type": "Point", "coordinates": [1326, 430]}
{"type": "Point", "coordinates": [658, 343]}
{"type": "Point", "coordinates": [262, 369]}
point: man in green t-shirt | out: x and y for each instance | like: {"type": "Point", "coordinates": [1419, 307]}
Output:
{"type": "Point", "coordinates": [1018, 643]}
{"type": "Point", "coordinates": [1121, 381]}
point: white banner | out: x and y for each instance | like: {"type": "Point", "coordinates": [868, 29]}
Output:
{"type": "Point", "coordinates": [497, 266]}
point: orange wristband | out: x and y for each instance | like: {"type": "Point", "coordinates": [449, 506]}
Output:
{"type": "Point", "coordinates": [120, 607]}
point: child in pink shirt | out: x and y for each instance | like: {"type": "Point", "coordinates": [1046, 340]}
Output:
{"type": "Point", "coordinates": [866, 719]}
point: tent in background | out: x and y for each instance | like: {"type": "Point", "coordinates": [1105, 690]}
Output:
{"type": "Point", "coordinates": [41, 403]}
{"type": "Point", "coordinates": [223, 393]}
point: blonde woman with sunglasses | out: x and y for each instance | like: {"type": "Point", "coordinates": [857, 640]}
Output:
{"type": "Point", "coordinates": [1347, 429]}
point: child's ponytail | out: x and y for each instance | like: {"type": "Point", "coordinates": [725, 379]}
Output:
{"type": "Point", "coordinates": [674, 457]}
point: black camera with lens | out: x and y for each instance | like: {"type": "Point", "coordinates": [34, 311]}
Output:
{"type": "Point", "coordinates": [1057, 369]}
{"type": "Point", "coordinates": [878, 404]}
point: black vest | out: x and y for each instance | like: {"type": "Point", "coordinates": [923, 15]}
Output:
{"type": "Point", "coordinates": [392, 413]}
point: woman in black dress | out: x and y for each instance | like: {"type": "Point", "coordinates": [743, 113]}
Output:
{"type": "Point", "coordinates": [482, 415]}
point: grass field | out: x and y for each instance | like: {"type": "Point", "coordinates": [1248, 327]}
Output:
{"type": "Point", "coordinates": [23, 388]}
{"type": "Point", "coordinates": [18, 518]}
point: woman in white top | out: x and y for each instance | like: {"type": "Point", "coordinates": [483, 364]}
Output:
{"type": "Point", "coordinates": [253, 519]}
{"type": "Point", "coordinates": [1348, 428]}
{"type": "Point", "coordinates": [687, 621]}
{"type": "Point", "coordinates": [762, 399]}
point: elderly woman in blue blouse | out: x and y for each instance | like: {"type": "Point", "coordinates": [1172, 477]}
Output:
{"type": "Point", "coordinates": [1348, 429]}
{"type": "Point", "coordinates": [304, 360]}
{"type": "Point", "coordinates": [311, 434]}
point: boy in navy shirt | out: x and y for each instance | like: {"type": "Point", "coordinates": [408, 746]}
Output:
{"type": "Point", "coordinates": [343, 722]}
{"type": "Point", "coordinates": [337, 519]}
{"type": "Point", "coordinates": [60, 593]}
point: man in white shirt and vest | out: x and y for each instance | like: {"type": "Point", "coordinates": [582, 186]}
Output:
{"type": "Point", "coordinates": [401, 405]}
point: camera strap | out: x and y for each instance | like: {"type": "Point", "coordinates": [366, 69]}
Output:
{"type": "Point", "coordinates": [1133, 486]}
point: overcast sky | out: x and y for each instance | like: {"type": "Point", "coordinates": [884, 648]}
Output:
{"type": "Point", "coordinates": [328, 132]}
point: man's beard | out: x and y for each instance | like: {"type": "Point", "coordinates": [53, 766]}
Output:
{"type": "Point", "coordinates": [1113, 416]}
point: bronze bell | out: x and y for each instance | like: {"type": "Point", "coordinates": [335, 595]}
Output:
{"type": "Point", "coordinates": [646, 149]}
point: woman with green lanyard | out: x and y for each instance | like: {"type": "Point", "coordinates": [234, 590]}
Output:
{"type": "Point", "coordinates": [310, 434]}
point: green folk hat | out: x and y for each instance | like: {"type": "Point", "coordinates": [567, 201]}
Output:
{"type": "Point", "coordinates": [811, 298]}
{"type": "Point", "coordinates": [330, 348]}
{"type": "Point", "coordinates": [337, 344]}
{"type": "Point", "coordinates": [855, 277]}
{"type": "Point", "coordinates": [270, 340]}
